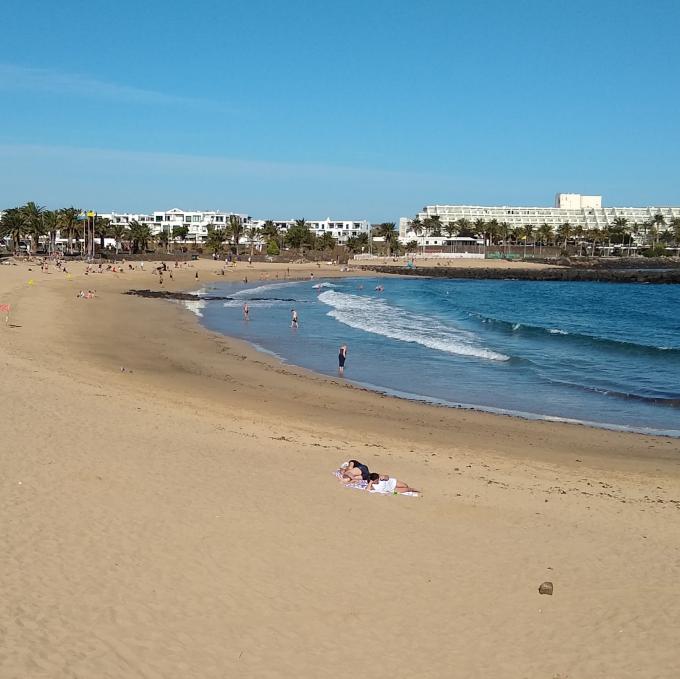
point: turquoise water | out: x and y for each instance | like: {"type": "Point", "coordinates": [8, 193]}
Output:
{"type": "Point", "coordinates": [599, 353]}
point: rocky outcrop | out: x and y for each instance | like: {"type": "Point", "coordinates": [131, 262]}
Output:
{"type": "Point", "coordinates": [550, 274]}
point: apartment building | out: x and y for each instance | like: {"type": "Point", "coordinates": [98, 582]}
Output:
{"type": "Point", "coordinates": [578, 210]}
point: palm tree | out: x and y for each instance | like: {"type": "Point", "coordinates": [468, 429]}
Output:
{"type": "Point", "coordinates": [140, 235]}
{"type": "Point", "coordinates": [520, 234]}
{"type": "Point", "coordinates": [464, 227]}
{"type": "Point", "coordinates": [51, 222]}
{"type": "Point", "coordinates": [101, 229]}
{"type": "Point", "coordinates": [35, 225]}
{"type": "Point", "coordinates": [325, 241]}
{"type": "Point", "coordinates": [480, 228]}
{"type": "Point", "coordinates": [180, 231]}
{"type": "Point", "coordinates": [564, 231]}
{"type": "Point", "coordinates": [653, 230]}
{"type": "Point", "coordinates": [529, 231]}
{"type": "Point", "coordinates": [493, 229]}
{"type": "Point", "coordinates": [163, 239]}
{"type": "Point", "coordinates": [252, 234]}
{"type": "Point", "coordinates": [658, 220]}
{"type": "Point", "coordinates": [593, 235]}
{"type": "Point", "coordinates": [633, 231]}
{"type": "Point", "coordinates": [435, 226]}
{"type": "Point", "coordinates": [118, 232]}
{"type": "Point", "coordinates": [388, 232]}
{"type": "Point", "coordinates": [416, 226]}
{"type": "Point", "coordinates": [68, 221]}
{"type": "Point", "coordinates": [451, 229]}
{"type": "Point", "coordinates": [13, 224]}
{"type": "Point", "coordinates": [216, 237]}
{"type": "Point", "coordinates": [270, 232]}
{"type": "Point", "coordinates": [545, 233]}
{"type": "Point", "coordinates": [504, 230]}
{"type": "Point", "coordinates": [235, 230]}
{"type": "Point", "coordinates": [675, 226]}
{"type": "Point", "coordinates": [299, 235]}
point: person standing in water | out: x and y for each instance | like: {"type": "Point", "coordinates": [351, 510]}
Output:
{"type": "Point", "coordinates": [342, 356]}
{"type": "Point", "coordinates": [246, 312]}
{"type": "Point", "coordinates": [294, 319]}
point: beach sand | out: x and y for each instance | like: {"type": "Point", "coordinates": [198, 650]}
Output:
{"type": "Point", "coordinates": [179, 517]}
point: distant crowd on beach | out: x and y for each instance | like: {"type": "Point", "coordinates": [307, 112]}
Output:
{"type": "Point", "coordinates": [163, 271]}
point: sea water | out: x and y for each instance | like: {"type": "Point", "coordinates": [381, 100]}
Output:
{"type": "Point", "coordinates": [598, 353]}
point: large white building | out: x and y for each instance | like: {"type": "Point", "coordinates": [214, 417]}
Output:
{"type": "Point", "coordinates": [197, 223]}
{"type": "Point", "coordinates": [340, 229]}
{"type": "Point", "coordinates": [578, 210]}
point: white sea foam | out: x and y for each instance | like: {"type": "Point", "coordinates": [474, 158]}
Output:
{"type": "Point", "coordinates": [247, 292]}
{"type": "Point", "coordinates": [259, 303]}
{"type": "Point", "coordinates": [378, 317]}
{"type": "Point", "coordinates": [195, 306]}
{"type": "Point", "coordinates": [557, 331]}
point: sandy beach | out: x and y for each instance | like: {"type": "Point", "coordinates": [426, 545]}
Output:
{"type": "Point", "coordinates": [169, 511]}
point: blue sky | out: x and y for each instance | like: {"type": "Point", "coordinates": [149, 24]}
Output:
{"type": "Point", "coordinates": [357, 109]}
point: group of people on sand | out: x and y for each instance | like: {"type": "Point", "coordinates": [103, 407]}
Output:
{"type": "Point", "coordinates": [353, 471]}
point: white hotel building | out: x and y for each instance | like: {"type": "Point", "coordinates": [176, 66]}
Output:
{"type": "Point", "coordinates": [198, 221]}
{"type": "Point", "coordinates": [586, 211]}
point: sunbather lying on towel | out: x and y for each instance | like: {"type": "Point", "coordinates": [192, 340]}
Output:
{"type": "Point", "coordinates": [354, 471]}
{"type": "Point", "coordinates": [382, 483]}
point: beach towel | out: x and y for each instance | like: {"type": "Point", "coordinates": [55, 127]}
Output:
{"type": "Point", "coordinates": [362, 485]}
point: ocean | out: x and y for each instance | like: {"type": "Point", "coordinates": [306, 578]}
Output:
{"type": "Point", "coordinates": [602, 354]}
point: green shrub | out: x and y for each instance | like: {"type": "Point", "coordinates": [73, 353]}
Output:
{"type": "Point", "coordinates": [272, 248]}
{"type": "Point", "coordinates": [655, 251]}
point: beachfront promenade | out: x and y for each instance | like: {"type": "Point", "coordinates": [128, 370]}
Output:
{"type": "Point", "coordinates": [170, 510]}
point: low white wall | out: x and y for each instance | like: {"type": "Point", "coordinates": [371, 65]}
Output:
{"type": "Point", "coordinates": [427, 255]}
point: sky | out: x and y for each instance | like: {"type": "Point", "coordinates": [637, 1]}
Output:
{"type": "Point", "coordinates": [356, 109]}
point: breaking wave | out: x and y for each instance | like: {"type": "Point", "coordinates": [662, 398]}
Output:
{"type": "Point", "coordinates": [609, 342]}
{"type": "Point", "coordinates": [378, 317]}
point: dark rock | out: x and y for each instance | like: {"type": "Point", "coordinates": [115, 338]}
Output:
{"type": "Point", "coordinates": [546, 588]}
{"type": "Point", "coordinates": [670, 275]}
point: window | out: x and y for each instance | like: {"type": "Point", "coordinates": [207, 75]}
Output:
{"type": "Point", "coordinates": [159, 218]}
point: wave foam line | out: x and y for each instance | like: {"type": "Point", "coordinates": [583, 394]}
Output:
{"type": "Point", "coordinates": [262, 288]}
{"type": "Point", "coordinates": [378, 317]}
{"type": "Point", "coordinates": [511, 327]}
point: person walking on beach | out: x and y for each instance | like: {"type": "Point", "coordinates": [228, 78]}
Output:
{"type": "Point", "coordinates": [294, 319]}
{"type": "Point", "coordinates": [342, 356]}
{"type": "Point", "coordinates": [246, 312]}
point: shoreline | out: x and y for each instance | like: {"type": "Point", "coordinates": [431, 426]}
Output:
{"type": "Point", "coordinates": [527, 416]}
{"type": "Point", "coordinates": [170, 508]}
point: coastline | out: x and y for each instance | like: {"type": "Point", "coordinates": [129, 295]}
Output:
{"type": "Point", "coordinates": [193, 302]}
{"type": "Point", "coordinates": [179, 516]}
{"type": "Point", "coordinates": [670, 276]}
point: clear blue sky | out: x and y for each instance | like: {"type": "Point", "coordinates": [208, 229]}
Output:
{"type": "Point", "coordinates": [366, 108]}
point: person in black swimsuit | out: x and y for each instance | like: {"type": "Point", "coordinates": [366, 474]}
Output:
{"type": "Point", "coordinates": [355, 471]}
{"type": "Point", "coordinates": [342, 356]}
